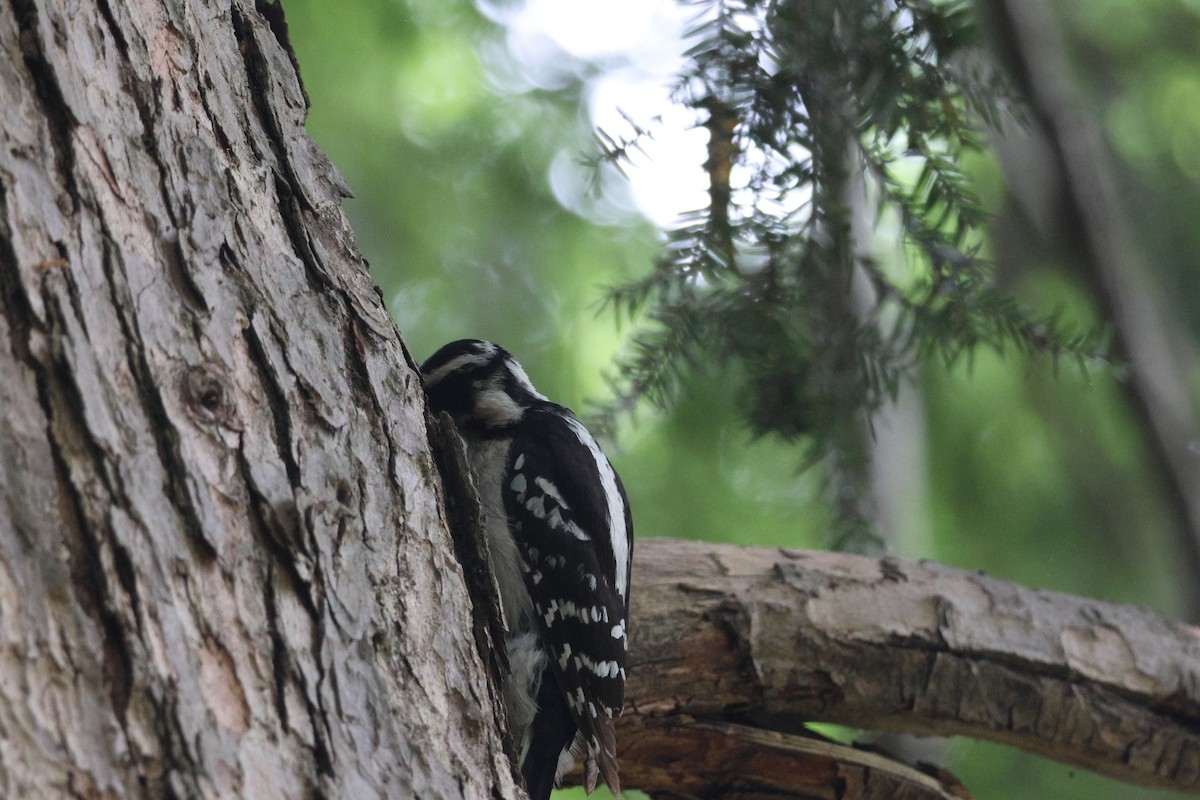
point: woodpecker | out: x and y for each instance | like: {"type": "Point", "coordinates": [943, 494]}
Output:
{"type": "Point", "coordinates": [560, 536]}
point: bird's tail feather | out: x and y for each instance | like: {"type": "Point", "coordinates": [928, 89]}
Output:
{"type": "Point", "coordinates": [552, 731]}
{"type": "Point", "coordinates": [604, 759]}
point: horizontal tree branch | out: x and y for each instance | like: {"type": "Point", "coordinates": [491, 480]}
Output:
{"type": "Point", "coordinates": [772, 638]}
{"type": "Point", "coordinates": [683, 757]}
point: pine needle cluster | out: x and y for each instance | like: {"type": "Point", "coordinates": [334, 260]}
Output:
{"type": "Point", "coordinates": [829, 121]}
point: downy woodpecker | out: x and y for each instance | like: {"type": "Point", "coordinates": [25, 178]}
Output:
{"type": "Point", "coordinates": [561, 538]}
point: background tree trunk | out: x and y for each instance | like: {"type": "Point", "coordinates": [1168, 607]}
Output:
{"type": "Point", "coordinates": [224, 570]}
{"type": "Point", "coordinates": [1068, 186]}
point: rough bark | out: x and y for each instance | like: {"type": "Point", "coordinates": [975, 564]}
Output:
{"type": "Point", "coordinates": [224, 568]}
{"type": "Point", "coordinates": [770, 639]}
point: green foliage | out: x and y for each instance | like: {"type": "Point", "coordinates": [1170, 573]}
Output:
{"type": "Point", "coordinates": [822, 114]}
{"type": "Point", "coordinates": [452, 206]}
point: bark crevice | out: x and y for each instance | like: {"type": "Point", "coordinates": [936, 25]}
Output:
{"type": "Point", "coordinates": [60, 122]}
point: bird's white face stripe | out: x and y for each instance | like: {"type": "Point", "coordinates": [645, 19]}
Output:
{"type": "Point", "coordinates": [494, 404]}
{"type": "Point", "coordinates": [485, 354]}
{"type": "Point", "coordinates": [616, 509]}
{"type": "Point", "coordinates": [522, 377]}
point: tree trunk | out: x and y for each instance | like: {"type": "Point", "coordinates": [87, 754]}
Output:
{"type": "Point", "coordinates": [224, 568]}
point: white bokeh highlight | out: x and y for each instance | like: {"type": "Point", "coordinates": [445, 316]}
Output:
{"type": "Point", "coordinates": [631, 52]}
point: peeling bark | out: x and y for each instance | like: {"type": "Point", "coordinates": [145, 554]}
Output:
{"type": "Point", "coordinates": [771, 639]}
{"type": "Point", "coordinates": [224, 567]}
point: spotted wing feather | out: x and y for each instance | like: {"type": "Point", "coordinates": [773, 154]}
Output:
{"type": "Point", "coordinates": [560, 507]}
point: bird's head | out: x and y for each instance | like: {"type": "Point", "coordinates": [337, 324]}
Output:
{"type": "Point", "coordinates": [479, 384]}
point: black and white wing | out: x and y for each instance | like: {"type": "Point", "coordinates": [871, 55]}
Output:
{"type": "Point", "coordinates": [570, 518]}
